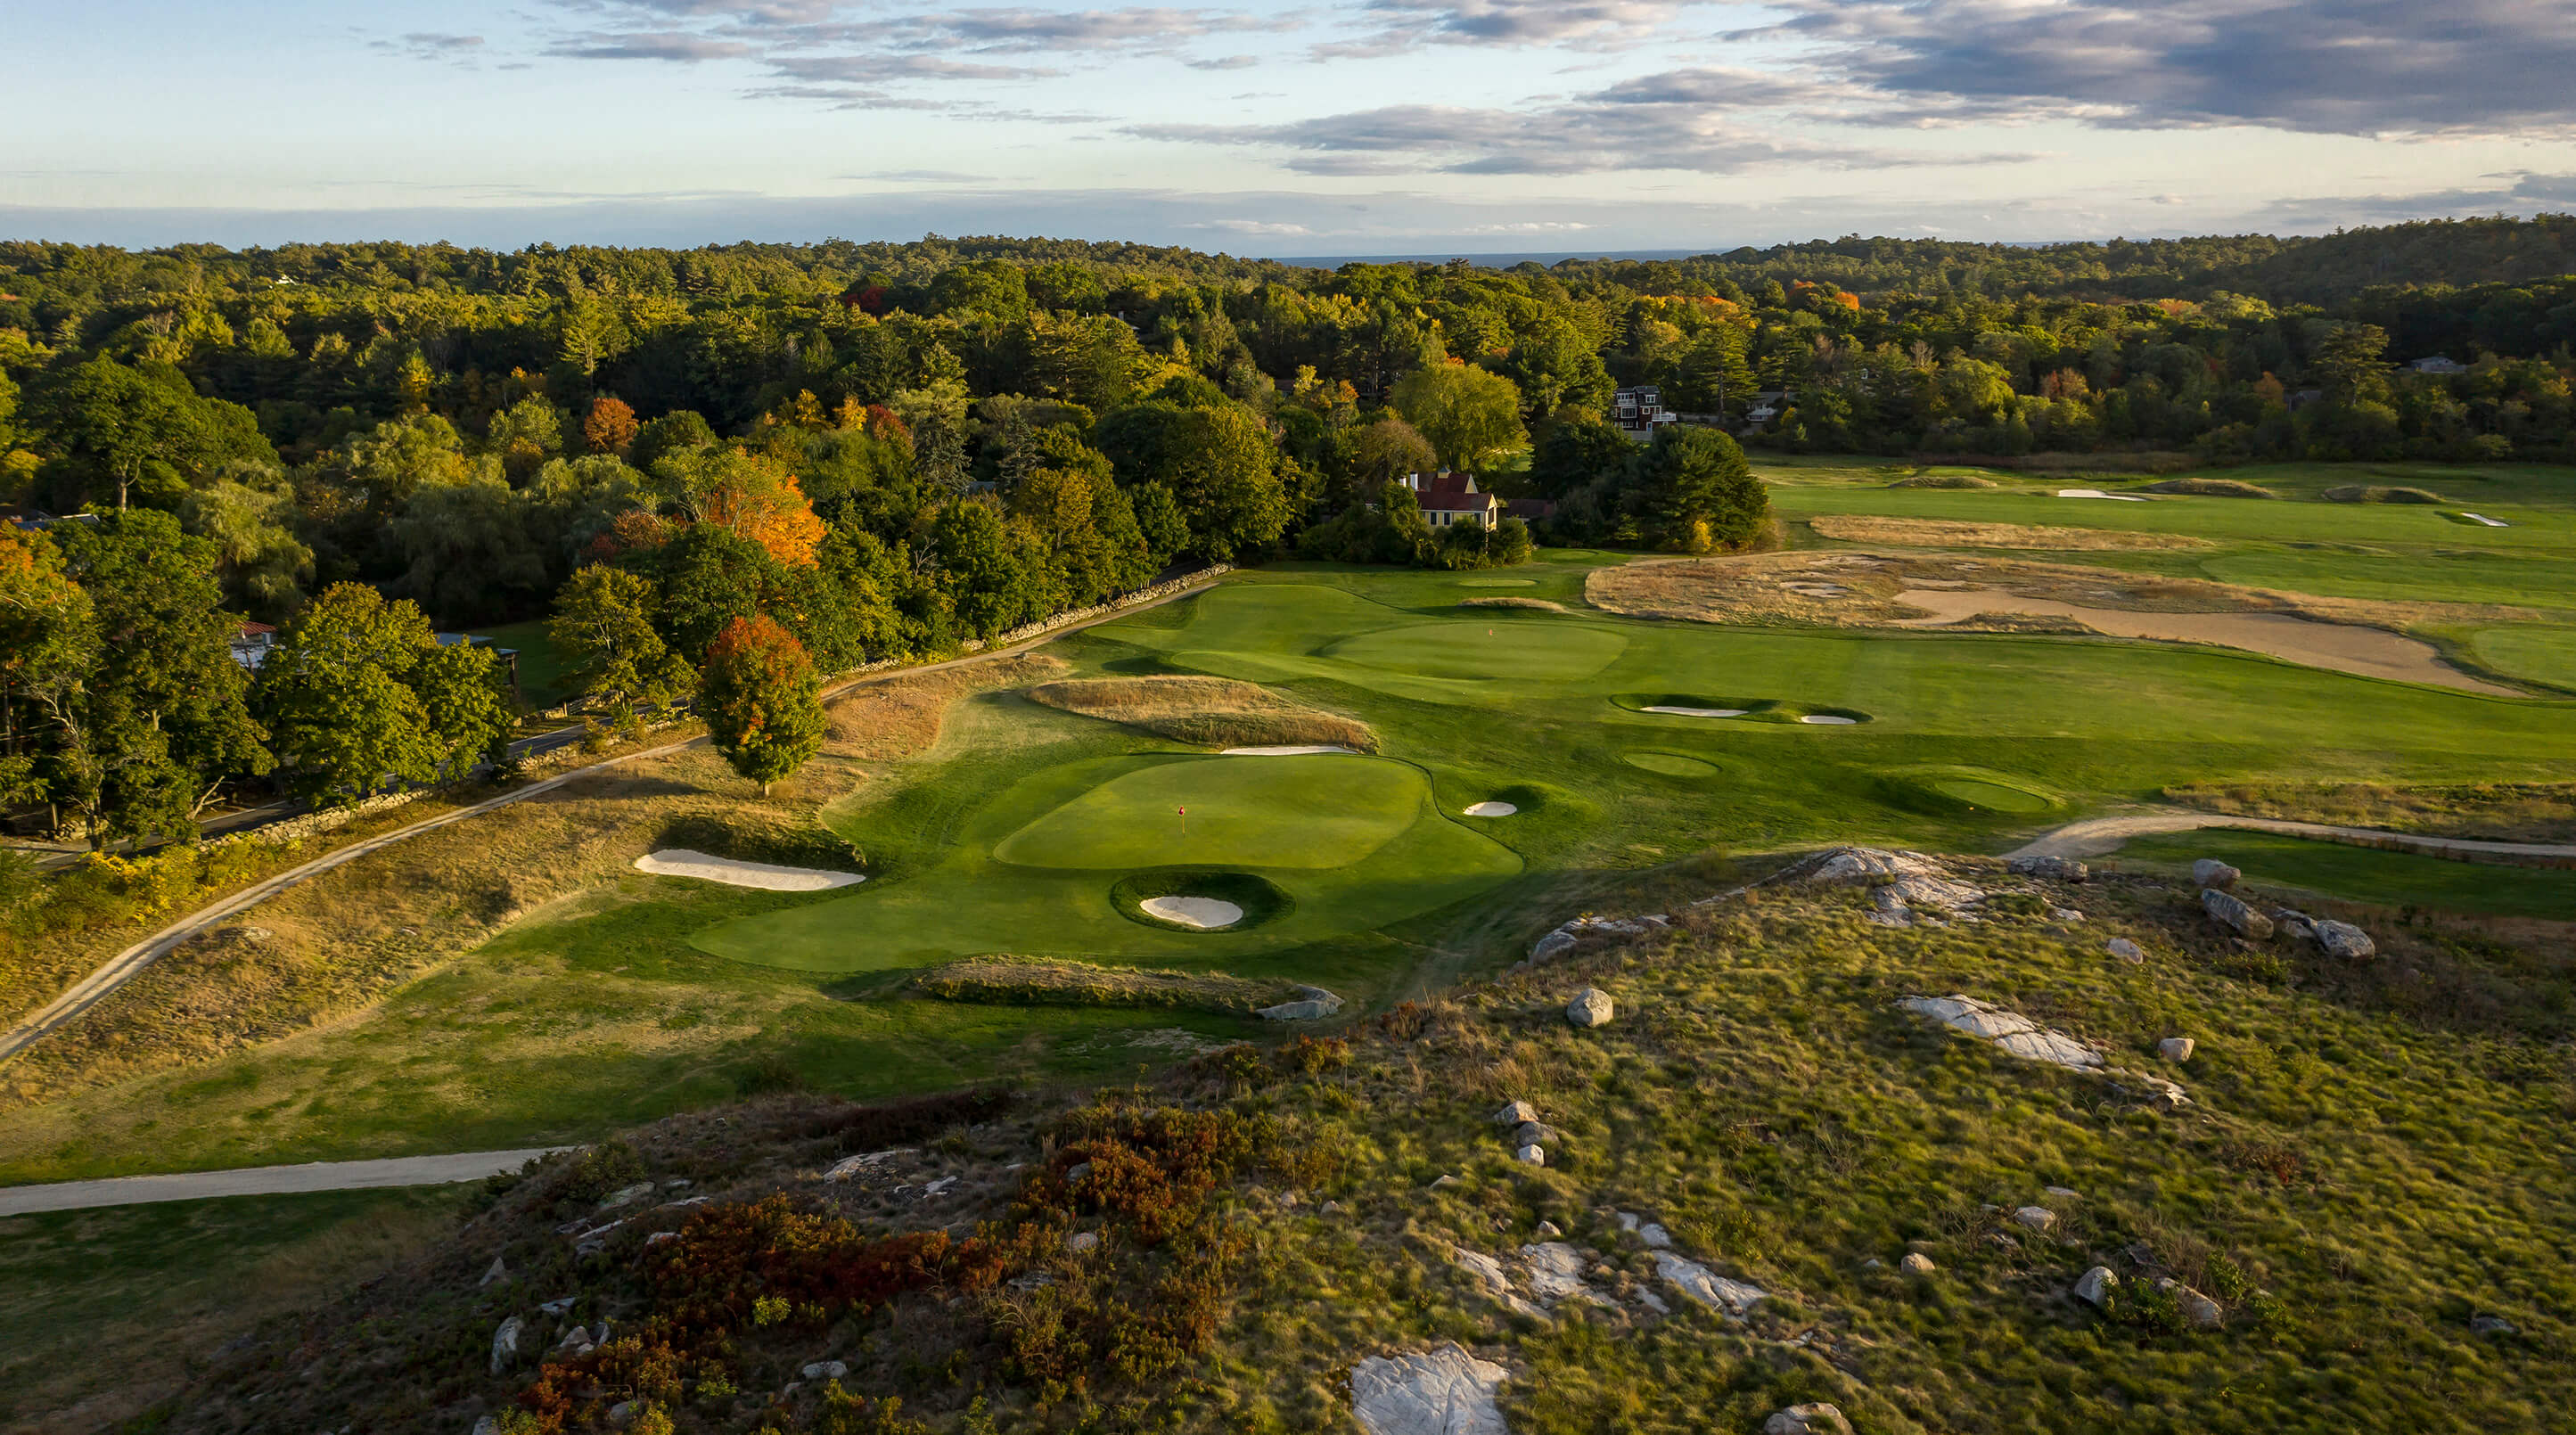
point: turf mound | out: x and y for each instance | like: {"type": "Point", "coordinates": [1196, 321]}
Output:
{"type": "Point", "coordinates": [1234, 811]}
{"type": "Point", "coordinates": [1212, 712]}
{"type": "Point", "coordinates": [1955, 533]}
{"type": "Point", "coordinates": [1036, 981]}
{"type": "Point", "coordinates": [2375, 493]}
{"type": "Point", "coordinates": [2211, 488]}
{"type": "Point", "coordinates": [1945, 480]}
{"type": "Point", "coordinates": [1178, 890]}
{"type": "Point", "coordinates": [1670, 764]}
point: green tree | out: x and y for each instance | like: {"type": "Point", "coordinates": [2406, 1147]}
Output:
{"type": "Point", "coordinates": [264, 566]}
{"type": "Point", "coordinates": [139, 433]}
{"type": "Point", "coordinates": [1691, 490]}
{"type": "Point", "coordinates": [1578, 450]}
{"type": "Point", "coordinates": [709, 577]}
{"type": "Point", "coordinates": [48, 648]}
{"type": "Point", "coordinates": [760, 699]}
{"type": "Point", "coordinates": [1464, 411]}
{"type": "Point", "coordinates": [1218, 463]}
{"type": "Point", "coordinates": [1385, 451]}
{"type": "Point", "coordinates": [604, 620]}
{"type": "Point", "coordinates": [358, 693]}
{"type": "Point", "coordinates": [162, 719]}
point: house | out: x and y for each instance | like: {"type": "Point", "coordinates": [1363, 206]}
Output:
{"type": "Point", "coordinates": [2439, 364]}
{"type": "Point", "coordinates": [1639, 411]}
{"type": "Point", "coordinates": [252, 642]}
{"type": "Point", "coordinates": [1447, 480]}
{"type": "Point", "coordinates": [1440, 509]}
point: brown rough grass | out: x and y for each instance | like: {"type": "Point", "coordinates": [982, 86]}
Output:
{"type": "Point", "coordinates": [1540, 604]}
{"type": "Point", "coordinates": [2487, 811]}
{"type": "Point", "coordinates": [1952, 533]}
{"type": "Point", "coordinates": [1033, 981]}
{"type": "Point", "coordinates": [1213, 712]}
{"type": "Point", "coordinates": [901, 715]}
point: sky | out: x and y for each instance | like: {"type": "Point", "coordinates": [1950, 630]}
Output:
{"type": "Point", "coordinates": [1271, 129]}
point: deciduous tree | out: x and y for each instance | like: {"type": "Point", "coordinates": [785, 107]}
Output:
{"type": "Point", "coordinates": [760, 700]}
{"type": "Point", "coordinates": [359, 693]}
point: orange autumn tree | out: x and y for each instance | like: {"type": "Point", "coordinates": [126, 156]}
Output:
{"type": "Point", "coordinates": [757, 497]}
{"type": "Point", "coordinates": [610, 425]}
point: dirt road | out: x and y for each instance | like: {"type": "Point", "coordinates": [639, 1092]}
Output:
{"type": "Point", "coordinates": [264, 1181]}
{"type": "Point", "coordinates": [2096, 836]}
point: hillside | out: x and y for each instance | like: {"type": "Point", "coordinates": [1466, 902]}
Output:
{"type": "Point", "coordinates": [2361, 1185]}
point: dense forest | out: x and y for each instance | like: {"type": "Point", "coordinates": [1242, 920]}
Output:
{"type": "Point", "coordinates": [863, 451]}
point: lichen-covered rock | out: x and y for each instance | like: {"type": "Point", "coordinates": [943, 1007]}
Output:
{"type": "Point", "coordinates": [1870, 866]}
{"type": "Point", "coordinates": [1710, 1289]}
{"type": "Point", "coordinates": [1515, 1113]}
{"type": "Point", "coordinates": [2200, 1310]}
{"type": "Point", "coordinates": [2210, 872]}
{"type": "Point", "coordinates": [1916, 1264]}
{"type": "Point", "coordinates": [2127, 951]}
{"type": "Point", "coordinates": [2055, 869]}
{"type": "Point", "coordinates": [2011, 1031]}
{"type": "Point", "coordinates": [2231, 913]}
{"type": "Point", "coordinates": [1590, 1007]}
{"type": "Point", "coordinates": [2175, 1048]}
{"type": "Point", "coordinates": [2095, 1286]}
{"type": "Point", "coordinates": [1813, 1419]}
{"type": "Point", "coordinates": [2344, 940]}
{"type": "Point", "coordinates": [1442, 1391]}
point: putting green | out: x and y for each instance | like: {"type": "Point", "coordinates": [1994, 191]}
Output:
{"type": "Point", "coordinates": [1554, 653]}
{"type": "Point", "coordinates": [1307, 811]}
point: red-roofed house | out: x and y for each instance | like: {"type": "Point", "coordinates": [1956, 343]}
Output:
{"type": "Point", "coordinates": [252, 642]}
{"type": "Point", "coordinates": [1443, 509]}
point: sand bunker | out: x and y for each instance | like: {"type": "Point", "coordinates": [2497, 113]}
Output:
{"type": "Point", "coordinates": [2366, 652]}
{"type": "Point", "coordinates": [1492, 809]}
{"type": "Point", "coordinates": [2482, 518]}
{"type": "Point", "coordinates": [1299, 750]}
{"type": "Point", "coordinates": [2097, 493]}
{"type": "Point", "coordinates": [1828, 720]}
{"type": "Point", "coordinates": [1205, 913]}
{"type": "Point", "coordinates": [1695, 712]}
{"type": "Point", "coordinates": [681, 862]}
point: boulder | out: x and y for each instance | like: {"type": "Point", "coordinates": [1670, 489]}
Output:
{"type": "Point", "coordinates": [2175, 1048]}
{"type": "Point", "coordinates": [1549, 1230]}
{"type": "Point", "coordinates": [2035, 1218]}
{"type": "Point", "coordinates": [2491, 1325]}
{"type": "Point", "coordinates": [2095, 1286]}
{"type": "Point", "coordinates": [498, 1272]}
{"type": "Point", "coordinates": [2055, 869]}
{"type": "Point", "coordinates": [2210, 872]}
{"type": "Point", "coordinates": [1312, 1004]}
{"type": "Point", "coordinates": [2294, 924]}
{"type": "Point", "coordinates": [1078, 1242]}
{"type": "Point", "coordinates": [2065, 916]}
{"type": "Point", "coordinates": [825, 1370]}
{"type": "Point", "coordinates": [1815, 1419]}
{"type": "Point", "coordinates": [1515, 1114]}
{"type": "Point", "coordinates": [624, 1195]}
{"type": "Point", "coordinates": [1707, 1287]}
{"type": "Point", "coordinates": [1555, 944]}
{"type": "Point", "coordinates": [1590, 1007]}
{"type": "Point", "coordinates": [2127, 951]}
{"type": "Point", "coordinates": [2200, 1310]}
{"type": "Point", "coordinates": [1916, 1264]}
{"type": "Point", "coordinates": [1442, 1391]}
{"type": "Point", "coordinates": [1531, 1133]}
{"type": "Point", "coordinates": [1555, 1270]}
{"type": "Point", "coordinates": [2344, 940]}
{"type": "Point", "coordinates": [1532, 1155]}
{"type": "Point", "coordinates": [2234, 915]}
{"type": "Point", "coordinates": [505, 1344]}
{"type": "Point", "coordinates": [2016, 1034]}
{"type": "Point", "coordinates": [1870, 866]}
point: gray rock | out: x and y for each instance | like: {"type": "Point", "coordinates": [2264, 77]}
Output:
{"type": "Point", "coordinates": [2294, 924]}
{"type": "Point", "coordinates": [1078, 1242]}
{"type": "Point", "coordinates": [1590, 1007]}
{"type": "Point", "coordinates": [1870, 866]}
{"type": "Point", "coordinates": [1916, 1264]}
{"type": "Point", "coordinates": [1554, 944]}
{"type": "Point", "coordinates": [1531, 1155]}
{"type": "Point", "coordinates": [488, 1425]}
{"type": "Point", "coordinates": [825, 1370]}
{"type": "Point", "coordinates": [2064, 1193]}
{"type": "Point", "coordinates": [2175, 1048]}
{"type": "Point", "coordinates": [2344, 940]}
{"type": "Point", "coordinates": [561, 1305]}
{"type": "Point", "coordinates": [2066, 916]}
{"type": "Point", "coordinates": [2055, 869]}
{"type": "Point", "coordinates": [2127, 951]}
{"type": "Point", "coordinates": [1444, 1180]}
{"type": "Point", "coordinates": [1312, 1004]}
{"type": "Point", "coordinates": [1548, 1230]}
{"type": "Point", "coordinates": [1815, 1419]}
{"type": "Point", "coordinates": [2491, 1325]}
{"type": "Point", "coordinates": [1706, 1286]}
{"type": "Point", "coordinates": [2200, 1310]}
{"type": "Point", "coordinates": [2013, 1032]}
{"type": "Point", "coordinates": [1442, 1391]}
{"type": "Point", "coordinates": [2234, 915]}
{"type": "Point", "coordinates": [1531, 1133]}
{"type": "Point", "coordinates": [498, 1272]}
{"type": "Point", "coordinates": [1654, 1237]}
{"type": "Point", "coordinates": [1515, 1114]}
{"type": "Point", "coordinates": [2035, 1218]}
{"type": "Point", "coordinates": [626, 1194]}
{"type": "Point", "coordinates": [621, 1414]}
{"type": "Point", "coordinates": [2210, 872]}
{"type": "Point", "coordinates": [505, 1344]}
{"type": "Point", "coordinates": [2095, 1286]}
{"type": "Point", "coordinates": [1555, 1270]}
{"type": "Point", "coordinates": [2155, 1091]}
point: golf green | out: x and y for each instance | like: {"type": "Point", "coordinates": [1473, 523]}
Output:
{"type": "Point", "coordinates": [1305, 811]}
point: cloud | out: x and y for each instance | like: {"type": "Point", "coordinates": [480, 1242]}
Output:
{"type": "Point", "coordinates": [1276, 228]}
{"type": "Point", "coordinates": [1227, 62]}
{"type": "Point", "coordinates": [880, 69]}
{"type": "Point", "coordinates": [2519, 192]}
{"type": "Point", "coordinates": [918, 176]}
{"type": "Point", "coordinates": [424, 45]}
{"type": "Point", "coordinates": [2361, 67]}
{"type": "Point", "coordinates": [1692, 120]}
{"type": "Point", "coordinates": [1405, 25]}
{"type": "Point", "coordinates": [669, 45]}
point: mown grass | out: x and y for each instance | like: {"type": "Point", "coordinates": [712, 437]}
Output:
{"type": "Point", "coordinates": [2360, 874]}
{"type": "Point", "coordinates": [545, 669]}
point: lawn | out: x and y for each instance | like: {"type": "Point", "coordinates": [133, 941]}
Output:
{"type": "Point", "coordinates": [2362, 874]}
{"type": "Point", "coordinates": [545, 669]}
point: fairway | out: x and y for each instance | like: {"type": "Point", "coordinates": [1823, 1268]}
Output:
{"type": "Point", "coordinates": [1316, 811]}
{"type": "Point", "coordinates": [2534, 651]}
{"type": "Point", "coordinates": [1992, 796]}
{"type": "Point", "coordinates": [1519, 650]}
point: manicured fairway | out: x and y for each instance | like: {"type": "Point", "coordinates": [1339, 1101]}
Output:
{"type": "Point", "coordinates": [2539, 652]}
{"type": "Point", "coordinates": [1490, 649]}
{"type": "Point", "coordinates": [2362, 874]}
{"type": "Point", "coordinates": [1305, 811]}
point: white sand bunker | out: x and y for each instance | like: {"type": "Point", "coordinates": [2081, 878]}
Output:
{"type": "Point", "coordinates": [1492, 809]}
{"type": "Point", "coordinates": [1696, 712]}
{"type": "Point", "coordinates": [682, 862]}
{"type": "Point", "coordinates": [2097, 493]}
{"type": "Point", "coordinates": [1205, 913]}
{"type": "Point", "coordinates": [1297, 751]}
{"type": "Point", "coordinates": [1828, 720]}
{"type": "Point", "coordinates": [2342, 647]}
{"type": "Point", "coordinates": [2482, 518]}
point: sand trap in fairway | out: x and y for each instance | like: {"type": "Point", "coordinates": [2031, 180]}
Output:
{"type": "Point", "coordinates": [1491, 809]}
{"type": "Point", "coordinates": [2482, 518]}
{"type": "Point", "coordinates": [1287, 751]}
{"type": "Point", "coordinates": [1204, 913]}
{"type": "Point", "coordinates": [1696, 712]}
{"type": "Point", "coordinates": [2097, 493]}
{"type": "Point", "coordinates": [2367, 652]}
{"type": "Point", "coordinates": [681, 862]}
{"type": "Point", "coordinates": [1828, 720]}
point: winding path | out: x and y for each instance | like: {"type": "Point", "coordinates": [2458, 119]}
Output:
{"type": "Point", "coordinates": [264, 1181]}
{"type": "Point", "coordinates": [2095, 836]}
{"type": "Point", "coordinates": [94, 988]}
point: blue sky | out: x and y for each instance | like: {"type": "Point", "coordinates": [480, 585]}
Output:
{"type": "Point", "coordinates": [1383, 126]}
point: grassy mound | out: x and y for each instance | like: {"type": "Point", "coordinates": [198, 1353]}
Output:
{"type": "Point", "coordinates": [1945, 480]}
{"type": "Point", "coordinates": [2211, 488]}
{"type": "Point", "coordinates": [1542, 605]}
{"type": "Point", "coordinates": [1212, 712]}
{"type": "Point", "coordinates": [1955, 533]}
{"type": "Point", "coordinates": [1262, 900]}
{"type": "Point", "coordinates": [2376, 493]}
{"type": "Point", "coordinates": [2368, 1186]}
{"type": "Point", "coordinates": [1039, 981]}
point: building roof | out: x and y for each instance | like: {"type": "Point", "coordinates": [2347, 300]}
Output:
{"type": "Point", "coordinates": [1458, 502]}
{"type": "Point", "coordinates": [254, 629]}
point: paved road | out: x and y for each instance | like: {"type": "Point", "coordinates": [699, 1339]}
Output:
{"type": "Point", "coordinates": [90, 990]}
{"type": "Point", "coordinates": [264, 1181]}
{"type": "Point", "coordinates": [2096, 836]}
